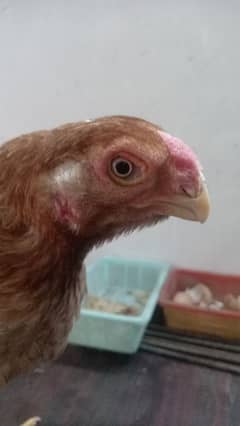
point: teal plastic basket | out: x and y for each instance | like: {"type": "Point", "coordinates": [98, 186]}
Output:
{"type": "Point", "coordinates": [114, 332]}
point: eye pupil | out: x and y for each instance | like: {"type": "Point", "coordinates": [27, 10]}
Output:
{"type": "Point", "coordinates": [122, 168]}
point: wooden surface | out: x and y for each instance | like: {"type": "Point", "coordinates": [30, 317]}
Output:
{"type": "Point", "coordinates": [88, 388]}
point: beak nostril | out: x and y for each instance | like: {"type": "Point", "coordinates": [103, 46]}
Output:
{"type": "Point", "coordinates": [190, 192]}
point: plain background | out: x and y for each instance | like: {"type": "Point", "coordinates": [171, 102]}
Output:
{"type": "Point", "coordinates": [176, 63]}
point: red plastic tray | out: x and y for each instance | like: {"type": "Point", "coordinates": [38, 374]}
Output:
{"type": "Point", "coordinates": [224, 323]}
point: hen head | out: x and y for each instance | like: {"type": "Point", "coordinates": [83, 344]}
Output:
{"type": "Point", "coordinates": [114, 174]}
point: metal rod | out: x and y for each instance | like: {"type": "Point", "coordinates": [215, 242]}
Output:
{"type": "Point", "coordinates": [191, 349]}
{"type": "Point", "coordinates": [217, 365]}
{"type": "Point", "coordinates": [204, 342]}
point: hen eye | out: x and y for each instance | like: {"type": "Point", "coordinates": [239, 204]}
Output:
{"type": "Point", "coordinates": [122, 168]}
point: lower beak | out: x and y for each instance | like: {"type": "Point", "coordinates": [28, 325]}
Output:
{"type": "Point", "coordinates": [185, 207]}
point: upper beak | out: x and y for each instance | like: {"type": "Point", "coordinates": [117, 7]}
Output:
{"type": "Point", "coordinates": [186, 207]}
{"type": "Point", "coordinates": [189, 203]}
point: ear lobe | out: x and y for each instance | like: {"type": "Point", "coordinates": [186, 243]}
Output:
{"type": "Point", "coordinates": [67, 174]}
{"type": "Point", "coordinates": [66, 211]}
{"type": "Point", "coordinates": [66, 184]}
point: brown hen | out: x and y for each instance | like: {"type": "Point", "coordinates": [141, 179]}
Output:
{"type": "Point", "coordinates": [65, 191]}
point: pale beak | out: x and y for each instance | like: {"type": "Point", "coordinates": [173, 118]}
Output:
{"type": "Point", "coordinates": [186, 207]}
